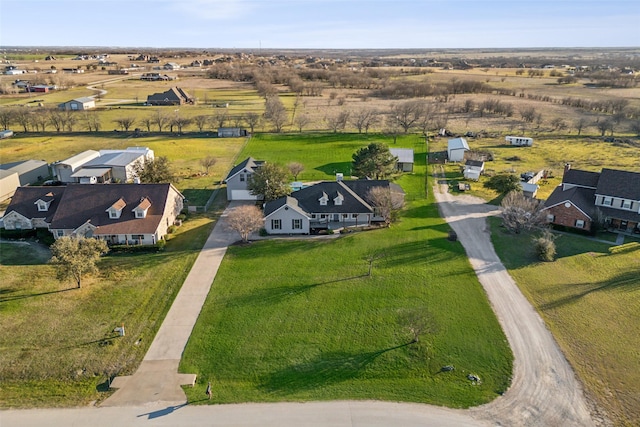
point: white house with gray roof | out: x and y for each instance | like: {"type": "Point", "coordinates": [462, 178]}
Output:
{"type": "Point", "coordinates": [85, 103]}
{"type": "Point", "coordinates": [325, 205]}
{"type": "Point", "coordinates": [405, 158]}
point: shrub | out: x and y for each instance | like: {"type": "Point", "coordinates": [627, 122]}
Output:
{"type": "Point", "coordinates": [137, 249]}
{"type": "Point", "coordinates": [545, 246]}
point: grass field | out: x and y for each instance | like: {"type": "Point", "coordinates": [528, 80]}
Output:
{"type": "Point", "coordinates": [590, 299]}
{"type": "Point", "coordinates": [321, 329]}
{"type": "Point", "coordinates": [58, 345]}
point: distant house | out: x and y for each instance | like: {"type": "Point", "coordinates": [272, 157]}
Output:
{"type": "Point", "coordinates": [174, 96]}
{"type": "Point", "coordinates": [456, 148]}
{"type": "Point", "coordinates": [473, 169]}
{"type": "Point", "coordinates": [29, 171]}
{"type": "Point", "coordinates": [85, 103]}
{"type": "Point", "coordinates": [231, 132]}
{"type": "Point", "coordinates": [6, 134]}
{"type": "Point", "coordinates": [171, 66]}
{"type": "Point", "coordinates": [9, 182]}
{"type": "Point", "coordinates": [118, 213]}
{"type": "Point", "coordinates": [584, 197]}
{"type": "Point", "coordinates": [405, 158]}
{"type": "Point", "coordinates": [238, 179]}
{"type": "Point", "coordinates": [325, 205]}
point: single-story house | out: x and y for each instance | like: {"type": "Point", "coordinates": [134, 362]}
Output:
{"type": "Point", "coordinates": [118, 213]}
{"type": "Point", "coordinates": [29, 171]}
{"type": "Point", "coordinates": [610, 196]}
{"type": "Point", "coordinates": [238, 179]}
{"type": "Point", "coordinates": [174, 96]}
{"type": "Point", "coordinates": [405, 158]}
{"type": "Point", "coordinates": [231, 132]}
{"type": "Point", "coordinates": [77, 104]}
{"type": "Point", "coordinates": [473, 169]}
{"type": "Point", "coordinates": [9, 182]}
{"type": "Point", "coordinates": [456, 148]}
{"type": "Point", "coordinates": [325, 205]}
{"type": "Point", "coordinates": [171, 66]}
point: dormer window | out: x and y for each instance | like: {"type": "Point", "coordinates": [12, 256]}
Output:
{"type": "Point", "coordinates": [324, 199]}
{"type": "Point", "coordinates": [338, 199]}
{"type": "Point", "coordinates": [115, 210]}
{"type": "Point", "coordinates": [44, 203]}
{"type": "Point", "coordinates": [140, 211]}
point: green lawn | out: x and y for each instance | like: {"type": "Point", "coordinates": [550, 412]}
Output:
{"type": "Point", "coordinates": [58, 344]}
{"type": "Point", "coordinates": [590, 299]}
{"type": "Point", "coordinates": [300, 320]}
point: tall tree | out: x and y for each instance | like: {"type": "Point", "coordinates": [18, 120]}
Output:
{"type": "Point", "coordinates": [125, 123]}
{"type": "Point", "coordinates": [156, 171]}
{"type": "Point", "coordinates": [364, 119]}
{"type": "Point", "coordinates": [386, 203]}
{"type": "Point", "coordinates": [245, 220]}
{"type": "Point", "coordinates": [275, 112]}
{"type": "Point", "coordinates": [76, 257]}
{"type": "Point", "coordinates": [160, 120]}
{"type": "Point", "coordinates": [296, 169]}
{"type": "Point", "coordinates": [408, 114]}
{"type": "Point", "coordinates": [252, 120]}
{"type": "Point", "coordinates": [374, 161]}
{"type": "Point", "coordinates": [270, 181]}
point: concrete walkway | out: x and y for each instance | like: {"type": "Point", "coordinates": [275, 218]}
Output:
{"type": "Point", "coordinates": [157, 379]}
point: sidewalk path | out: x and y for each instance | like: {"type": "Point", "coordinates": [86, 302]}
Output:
{"type": "Point", "coordinates": [157, 378]}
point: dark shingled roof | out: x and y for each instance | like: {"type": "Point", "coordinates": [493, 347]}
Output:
{"type": "Point", "coordinates": [581, 197]}
{"type": "Point", "coordinates": [581, 178]}
{"type": "Point", "coordinates": [83, 203]}
{"type": "Point", "coordinates": [617, 183]}
{"type": "Point", "coordinates": [249, 164]}
{"type": "Point", "coordinates": [23, 201]}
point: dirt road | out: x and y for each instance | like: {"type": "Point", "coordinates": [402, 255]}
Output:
{"type": "Point", "coordinates": [544, 390]}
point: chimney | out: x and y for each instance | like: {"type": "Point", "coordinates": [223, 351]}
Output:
{"type": "Point", "coordinates": [567, 166]}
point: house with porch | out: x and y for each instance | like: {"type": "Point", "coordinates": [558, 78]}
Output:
{"type": "Point", "coordinates": [118, 213]}
{"type": "Point", "coordinates": [325, 205]}
{"type": "Point", "coordinates": [583, 198]}
{"type": "Point", "coordinates": [174, 96]}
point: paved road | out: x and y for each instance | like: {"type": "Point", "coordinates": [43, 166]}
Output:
{"type": "Point", "coordinates": [544, 390]}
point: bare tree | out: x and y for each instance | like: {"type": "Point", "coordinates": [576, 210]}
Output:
{"type": "Point", "coordinates": [252, 120]}
{"type": "Point", "coordinates": [57, 119]}
{"type": "Point", "coordinates": [22, 117]}
{"type": "Point", "coordinates": [407, 114]}
{"type": "Point", "coordinates": [201, 122]}
{"type": "Point", "coordinates": [528, 114]}
{"type": "Point", "coordinates": [6, 117]}
{"type": "Point", "coordinates": [220, 118]}
{"type": "Point", "coordinates": [207, 162]}
{"type": "Point", "coordinates": [70, 120]}
{"type": "Point", "coordinates": [417, 321]}
{"type": "Point", "coordinates": [275, 112]}
{"type": "Point", "coordinates": [125, 123]}
{"type": "Point", "coordinates": [92, 121]}
{"type": "Point", "coordinates": [385, 202]}
{"type": "Point", "coordinates": [580, 124]}
{"type": "Point", "coordinates": [604, 125]}
{"type": "Point", "coordinates": [181, 123]}
{"type": "Point", "coordinates": [147, 122]}
{"type": "Point", "coordinates": [245, 220]}
{"type": "Point", "coordinates": [296, 169]}
{"type": "Point", "coordinates": [40, 119]}
{"type": "Point", "coordinates": [364, 119]}
{"type": "Point", "coordinates": [301, 121]}
{"type": "Point", "coordinates": [338, 121]}
{"type": "Point", "coordinates": [521, 213]}
{"type": "Point", "coordinates": [160, 120]}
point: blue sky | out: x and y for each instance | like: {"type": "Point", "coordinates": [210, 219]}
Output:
{"type": "Point", "coordinates": [339, 24]}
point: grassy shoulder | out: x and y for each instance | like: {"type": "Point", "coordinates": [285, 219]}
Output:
{"type": "Point", "coordinates": [300, 320]}
{"type": "Point", "coordinates": [589, 299]}
{"type": "Point", "coordinates": [58, 345]}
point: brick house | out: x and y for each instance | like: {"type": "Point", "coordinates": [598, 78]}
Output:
{"type": "Point", "coordinates": [584, 198]}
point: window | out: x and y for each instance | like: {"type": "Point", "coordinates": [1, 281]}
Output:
{"type": "Point", "coordinates": [607, 201]}
{"type": "Point", "coordinates": [354, 216]}
{"type": "Point", "coordinates": [60, 233]}
{"type": "Point", "coordinates": [550, 217]}
{"type": "Point", "coordinates": [579, 223]}
{"type": "Point", "coordinates": [137, 237]}
{"type": "Point", "coordinates": [345, 216]}
{"type": "Point", "coordinates": [113, 214]}
{"type": "Point", "coordinates": [626, 204]}
{"type": "Point", "coordinates": [276, 224]}
{"type": "Point", "coordinates": [242, 177]}
{"type": "Point", "coordinates": [313, 216]}
{"type": "Point", "coordinates": [296, 224]}
{"type": "Point", "coordinates": [140, 214]}
{"type": "Point", "coordinates": [42, 206]}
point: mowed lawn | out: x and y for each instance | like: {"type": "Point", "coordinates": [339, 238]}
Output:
{"type": "Point", "coordinates": [58, 344]}
{"type": "Point", "coordinates": [590, 299]}
{"type": "Point", "coordinates": [298, 320]}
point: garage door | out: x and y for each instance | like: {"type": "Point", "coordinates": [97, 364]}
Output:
{"type": "Point", "coordinates": [242, 195]}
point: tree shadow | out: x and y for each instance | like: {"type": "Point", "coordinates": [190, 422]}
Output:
{"type": "Point", "coordinates": [326, 369]}
{"type": "Point", "coordinates": [337, 167]}
{"type": "Point", "coordinates": [628, 281]}
{"type": "Point", "coordinates": [280, 293]}
{"type": "Point", "coordinates": [17, 297]}
{"type": "Point", "coordinates": [162, 412]}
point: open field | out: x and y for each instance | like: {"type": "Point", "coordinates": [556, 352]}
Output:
{"type": "Point", "coordinates": [590, 300]}
{"type": "Point", "coordinates": [321, 329]}
{"type": "Point", "coordinates": [58, 345]}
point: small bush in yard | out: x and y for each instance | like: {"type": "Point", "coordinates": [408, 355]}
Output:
{"type": "Point", "coordinates": [545, 246]}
